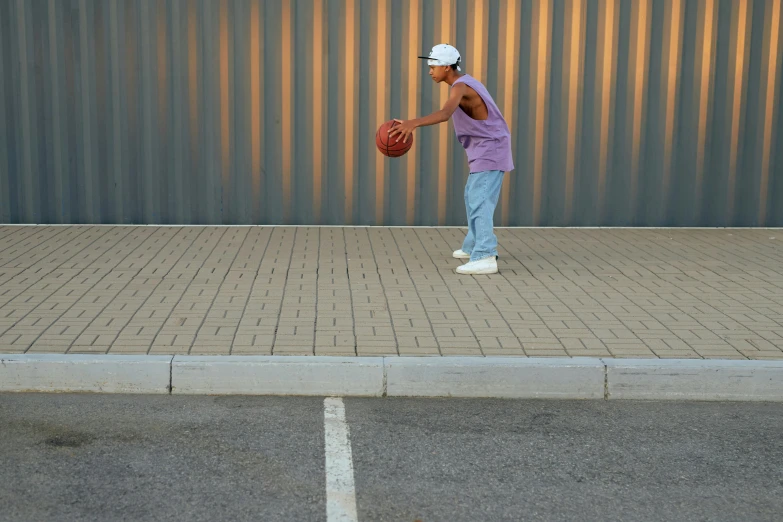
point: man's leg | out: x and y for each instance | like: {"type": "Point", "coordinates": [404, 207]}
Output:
{"type": "Point", "coordinates": [483, 197]}
{"type": "Point", "coordinates": [470, 238]}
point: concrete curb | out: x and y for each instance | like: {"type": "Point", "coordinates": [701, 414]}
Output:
{"type": "Point", "coordinates": [577, 378]}
{"type": "Point", "coordinates": [505, 377]}
{"type": "Point", "coordinates": [277, 375]}
{"type": "Point", "coordinates": [694, 379]}
{"type": "Point", "coordinates": [85, 373]}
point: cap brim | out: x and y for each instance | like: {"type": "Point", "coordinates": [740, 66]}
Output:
{"type": "Point", "coordinates": [424, 57]}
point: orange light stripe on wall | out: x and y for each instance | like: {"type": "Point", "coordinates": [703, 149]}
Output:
{"type": "Point", "coordinates": [769, 107]}
{"type": "Point", "coordinates": [27, 201]}
{"type": "Point", "coordinates": [639, 89]}
{"type": "Point", "coordinates": [704, 90]}
{"type": "Point", "coordinates": [444, 130]}
{"type": "Point", "coordinates": [739, 75]}
{"type": "Point", "coordinates": [255, 100]}
{"type": "Point", "coordinates": [673, 66]}
{"type": "Point", "coordinates": [287, 115]}
{"type": "Point", "coordinates": [574, 60]}
{"type": "Point", "coordinates": [414, 70]}
{"type": "Point", "coordinates": [115, 195]}
{"type": "Point", "coordinates": [118, 200]}
{"type": "Point", "coordinates": [193, 78]}
{"type": "Point", "coordinates": [225, 138]}
{"type": "Point", "coordinates": [382, 20]}
{"type": "Point", "coordinates": [544, 29]}
{"type": "Point", "coordinates": [162, 67]}
{"type": "Point", "coordinates": [607, 76]}
{"type": "Point", "coordinates": [478, 40]}
{"type": "Point", "coordinates": [512, 46]}
{"type": "Point", "coordinates": [475, 42]}
{"type": "Point", "coordinates": [350, 27]}
{"type": "Point", "coordinates": [317, 84]}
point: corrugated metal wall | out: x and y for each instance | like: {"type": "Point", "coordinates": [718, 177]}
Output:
{"type": "Point", "coordinates": [638, 112]}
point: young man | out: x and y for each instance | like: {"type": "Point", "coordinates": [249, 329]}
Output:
{"type": "Point", "coordinates": [484, 134]}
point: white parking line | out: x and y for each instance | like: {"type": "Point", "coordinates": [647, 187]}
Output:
{"type": "Point", "coordinates": [340, 489]}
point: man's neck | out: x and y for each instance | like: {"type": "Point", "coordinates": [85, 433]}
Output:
{"type": "Point", "coordinates": [453, 77]}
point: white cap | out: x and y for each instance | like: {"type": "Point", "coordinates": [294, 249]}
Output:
{"type": "Point", "coordinates": [443, 54]}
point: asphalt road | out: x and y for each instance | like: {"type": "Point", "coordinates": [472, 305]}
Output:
{"type": "Point", "coordinates": [111, 457]}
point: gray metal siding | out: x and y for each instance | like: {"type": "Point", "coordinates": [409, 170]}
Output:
{"type": "Point", "coordinates": [642, 112]}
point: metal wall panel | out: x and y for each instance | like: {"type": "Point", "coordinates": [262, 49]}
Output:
{"type": "Point", "coordinates": [623, 112]}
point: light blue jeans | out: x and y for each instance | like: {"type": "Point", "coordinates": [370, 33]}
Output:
{"type": "Point", "coordinates": [481, 197]}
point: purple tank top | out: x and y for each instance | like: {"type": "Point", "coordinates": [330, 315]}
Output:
{"type": "Point", "coordinates": [486, 142]}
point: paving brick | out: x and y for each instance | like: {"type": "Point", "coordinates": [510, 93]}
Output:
{"type": "Point", "coordinates": [165, 350]}
{"type": "Point", "coordinates": [504, 352]}
{"type": "Point", "coordinates": [421, 341]}
{"type": "Point", "coordinates": [99, 348]}
{"type": "Point", "coordinates": [47, 348]}
{"type": "Point", "coordinates": [620, 351]}
{"type": "Point", "coordinates": [57, 340]}
{"type": "Point", "coordinates": [542, 345]}
{"type": "Point", "coordinates": [10, 348]}
{"type": "Point", "coordinates": [163, 339]}
{"type": "Point", "coordinates": [376, 348]}
{"type": "Point", "coordinates": [677, 354]}
{"type": "Point", "coordinates": [589, 353]}
{"type": "Point", "coordinates": [94, 339]}
{"type": "Point", "coordinates": [545, 353]}
{"type": "Point", "coordinates": [415, 351]}
{"type": "Point", "coordinates": [251, 350]}
{"type": "Point", "coordinates": [704, 352]}
{"type": "Point", "coordinates": [466, 342]}
{"type": "Point", "coordinates": [131, 340]}
{"type": "Point", "coordinates": [293, 350]}
{"type": "Point", "coordinates": [335, 350]}
{"type": "Point", "coordinates": [210, 349]}
{"type": "Point", "coordinates": [136, 288]}
{"type": "Point", "coordinates": [463, 351]}
{"type": "Point", "coordinates": [129, 350]}
{"type": "Point", "coordinates": [765, 356]}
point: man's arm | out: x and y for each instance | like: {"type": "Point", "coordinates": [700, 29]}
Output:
{"type": "Point", "coordinates": [406, 128]}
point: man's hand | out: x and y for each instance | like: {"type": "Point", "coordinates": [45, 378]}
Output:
{"type": "Point", "coordinates": [403, 130]}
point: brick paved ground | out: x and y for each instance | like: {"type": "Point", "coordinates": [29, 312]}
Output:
{"type": "Point", "coordinates": [386, 291]}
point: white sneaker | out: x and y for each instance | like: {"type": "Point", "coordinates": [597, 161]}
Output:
{"type": "Point", "coordinates": [488, 265]}
{"type": "Point", "coordinates": [460, 254]}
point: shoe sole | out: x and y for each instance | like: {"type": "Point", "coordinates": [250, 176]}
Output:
{"type": "Point", "coordinates": [468, 257]}
{"type": "Point", "coordinates": [480, 272]}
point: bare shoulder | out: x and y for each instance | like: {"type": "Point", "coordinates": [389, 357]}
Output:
{"type": "Point", "coordinates": [459, 88]}
{"type": "Point", "coordinates": [473, 104]}
{"type": "Point", "coordinates": [470, 92]}
{"type": "Point", "coordinates": [464, 91]}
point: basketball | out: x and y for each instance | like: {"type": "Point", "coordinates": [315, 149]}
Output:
{"type": "Point", "coordinates": [389, 146]}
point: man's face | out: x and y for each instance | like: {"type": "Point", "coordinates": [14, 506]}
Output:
{"type": "Point", "coordinates": [438, 73]}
